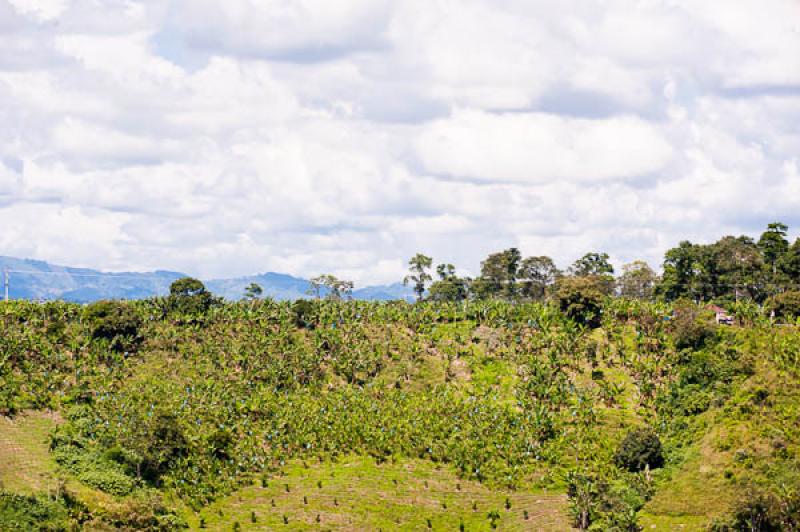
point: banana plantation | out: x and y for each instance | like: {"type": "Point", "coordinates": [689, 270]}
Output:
{"type": "Point", "coordinates": [650, 414]}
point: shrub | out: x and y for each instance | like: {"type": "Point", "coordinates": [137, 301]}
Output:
{"type": "Point", "coordinates": [692, 327]}
{"type": "Point", "coordinates": [304, 314]}
{"type": "Point", "coordinates": [109, 481]}
{"type": "Point", "coordinates": [762, 511]}
{"type": "Point", "coordinates": [163, 444]}
{"type": "Point", "coordinates": [144, 510]}
{"type": "Point", "coordinates": [639, 449]}
{"type": "Point", "coordinates": [115, 322]}
{"type": "Point", "coordinates": [20, 512]}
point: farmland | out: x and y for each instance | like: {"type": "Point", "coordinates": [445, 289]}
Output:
{"type": "Point", "coordinates": [167, 413]}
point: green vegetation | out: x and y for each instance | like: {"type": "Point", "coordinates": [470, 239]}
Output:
{"type": "Point", "coordinates": [583, 409]}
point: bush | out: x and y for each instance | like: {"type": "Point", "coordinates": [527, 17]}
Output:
{"type": "Point", "coordinates": [639, 449]}
{"type": "Point", "coordinates": [108, 480]}
{"type": "Point", "coordinates": [159, 445]}
{"type": "Point", "coordinates": [786, 304]}
{"type": "Point", "coordinates": [145, 510]}
{"type": "Point", "coordinates": [19, 512]}
{"type": "Point", "coordinates": [115, 322]}
{"type": "Point", "coordinates": [762, 511]}
{"type": "Point", "coordinates": [305, 313]}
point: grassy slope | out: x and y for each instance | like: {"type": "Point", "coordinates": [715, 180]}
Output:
{"type": "Point", "coordinates": [25, 465]}
{"type": "Point", "coordinates": [744, 442]}
{"type": "Point", "coordinates": [696, 493]}
{"type": "Point", "coordinates": [357, 494]}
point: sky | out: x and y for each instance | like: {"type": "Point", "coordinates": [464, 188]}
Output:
{"type": "Point", "coordinates": [343, 136]}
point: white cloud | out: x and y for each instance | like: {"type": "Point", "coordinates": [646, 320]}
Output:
{"type": "Point", "coordinates": [307, 136]}
{"type": "Point", "coordinates": [43, 10]}
{"type": "Point", "coordinates": [303, 29]}
{"type": "Point", "coordinates": [537, 148]}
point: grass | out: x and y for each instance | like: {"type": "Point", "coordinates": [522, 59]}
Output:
{"type": "Point", "coordinates": [696, 494]}
{"type": "Point", "coordinates": [25, 464]}
{"type": "Point", "coordinates": [357, 494]}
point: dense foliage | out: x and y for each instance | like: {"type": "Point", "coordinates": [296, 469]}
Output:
{"type": "Point", "coordinates": [509, 394]}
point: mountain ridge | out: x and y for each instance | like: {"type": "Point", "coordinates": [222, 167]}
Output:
{"type": "Point", "coordinates": [35, 279]}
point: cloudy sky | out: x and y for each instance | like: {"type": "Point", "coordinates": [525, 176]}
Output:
{"type": "Point", "coordinates": [307, 136]}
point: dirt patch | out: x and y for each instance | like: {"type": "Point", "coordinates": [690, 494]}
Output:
{"type": "Point", "coordinates": [459, 369]}
{"type": "Point", "coordinates": [491, 338]}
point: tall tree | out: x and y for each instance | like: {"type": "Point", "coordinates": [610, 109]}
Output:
{"type": "Point", "coordinates": [253, 291]}
{"type": "Point", "coordinates": [445, 271]}
{"type": "Point", "coordinates": [419, 265]}
{"type": "Point", "coordinates": [680, 272]}
{"type": "Point", "coordinates": [537, 274]}
{"type": "Point", "coordinates": [449, 287]}
{"type": "Point", "coordinates": [499, 273]}
{"type": "Point", "coordinates": [597, 267]}
{"type": "Point", "coordinates": [189, 295]}
{"type": "Point", "coordinates": [337, 289]}
{"type": "Point", "coordinates": [739, 269]}
{"type": "Point", "coordinates": [340, 289]}
{"type": "Point", "coordinates": [730, 268]}
{"type": "Point", "coordinates": [789, 263]}
{"type": "Point", "coordinates": [773, 244]}
{"type": "Point", "coordinates": [637, 281]}
{"type": "Point", "coordinates": [315, 285]}
{"type": "Point", "coordinates": [592, 264]}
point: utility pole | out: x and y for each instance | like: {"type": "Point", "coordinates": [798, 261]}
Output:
{"type": "Point", "coordinates": [5, 281]}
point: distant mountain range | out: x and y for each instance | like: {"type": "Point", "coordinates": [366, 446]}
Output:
{"type": "Point", "coordinates": [39, 280]}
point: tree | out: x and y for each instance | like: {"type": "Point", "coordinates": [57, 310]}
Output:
{"type": "Point", "coordinates": [537, 275]}
{"type": "Point", "coordinates": [189, 296]}
{"type": "Point", "coordinates": [337, 289]}
{"type": "Point", "coordinates": [340, 289]}
{"type": "Point", "coordinates": [581, 299]}
{"type": "Point", "coordinates": [637, 280]}
{"type": "Point", "coordinates": [499, 274]}
{"type": "Point", "coordinates": [785, 305]}
{"type": "Point", "coordinates": [446, 271]}
{"type": "Point", "coordinates": [738, 268]}
{"type": "Point", "coordinates": [679, 272]}
{"type": "Point", "coordinates": [315, 286]}
{"type": "Point", "coordinates": [116, 322]}
{"type": "Point", "coordinates": [449, 287]}
{"type": "Point", "coordinates": [789, 263]}
{"type": "Point", "coordinates": [773, 244]}
{"type": "Point", "coordinates": [640, 449]}
{"type": "Point", "coordinates": [419, 265]}
{"type": "Point", "coordinates": [596, 266]}
{"type": "Point", "coordinates": [253, 291]}
{"type": "Point", "coordinates": [592, 264]}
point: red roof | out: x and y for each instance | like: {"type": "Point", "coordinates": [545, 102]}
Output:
{"type": "Point", "coordinates": [715, 308]}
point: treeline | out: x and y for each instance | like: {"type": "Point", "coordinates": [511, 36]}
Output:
{"type": "Point", "coordinates": [730, 269]}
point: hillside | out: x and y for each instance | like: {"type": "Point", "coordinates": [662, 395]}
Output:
{"type": "Point", "coordinates": [364, 415]}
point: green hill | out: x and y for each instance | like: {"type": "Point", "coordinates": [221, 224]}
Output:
{"type": "Point", "coordinates": [365, 415]}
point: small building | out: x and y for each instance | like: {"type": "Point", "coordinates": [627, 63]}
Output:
{"type": "Point", "coordinates": [722, 316]}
